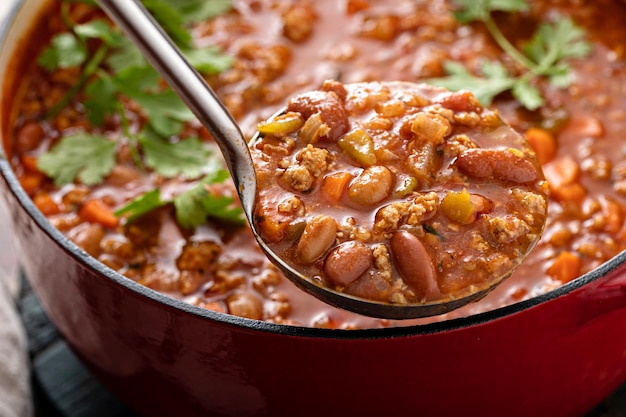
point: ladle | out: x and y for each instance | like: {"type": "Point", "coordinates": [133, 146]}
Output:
{"type": "Point", "coordinates": [157, 47]}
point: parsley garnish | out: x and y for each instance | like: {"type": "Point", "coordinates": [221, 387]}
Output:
{"type": "Point", "coordinates": [544, 56]}
{"type": "Point", "coordinates": [186, 158]}
{"type": "Point", "coordinates": [116, 72]}
{"type": "Point", "coordinates": [193, 206]}
{"type": "Point", "coordinates": [87, 157]}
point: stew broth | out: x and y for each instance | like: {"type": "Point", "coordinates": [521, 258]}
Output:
{"type": "Point", "coordinates": [281, 48]}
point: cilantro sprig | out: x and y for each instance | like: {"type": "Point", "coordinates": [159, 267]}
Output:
{"type": "Point", "coordinates": [114, 73]}
{"type": "Point", "coordinates": [86, 157]}
{"type": "Point", "coordinates": [193, 206]}
{"type": "Point", "coordinates": [545, 56]}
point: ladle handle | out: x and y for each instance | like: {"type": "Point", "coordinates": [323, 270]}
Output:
{"type": "Point", "coordinates": [145, 33]}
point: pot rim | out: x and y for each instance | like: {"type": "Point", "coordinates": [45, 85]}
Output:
{"type": "Point", "coordinates": [100, 269]}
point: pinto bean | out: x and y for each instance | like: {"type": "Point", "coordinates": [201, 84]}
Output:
{"type": "Point", "coordinates": [29, 137]}
{"type": "Point", "coordinates": [501, 164]}
{"type": "Point", "coordinates": [347, 262]}
{"type": "Point", "coordinates": [88, 237]}
{"type": "Point", "coordinates": [413, 263]}
{"type": "Point", "coordinates": [245, 305]}
{"type": "Point", "coordinates": [319, 234]}
{"type": "Point", "coordinates": [372, 186]}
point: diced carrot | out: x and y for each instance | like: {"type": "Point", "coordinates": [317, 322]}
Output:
{"type": "Point", "coordinates": [213, 306]}
{"type": "Point", "coordinates": [614, 217]}
{"type": "Point", "coordinates": [562, 171]}
{"type": "Point", "coordinates": [272, 224]}
{"type": "Point", "coordinates": [29, 162]}
{"type": "Point", "coordinates": [355, 6]}
{"type": "Point", "coordinates": [569, 192]}
{"type": "Point", "coordinates": [30, 182]}
{"type": "Point", "coordinates": [334, 185]}
{"type": "Point", "coordinates": [543, 142]}
{"type": "Point", "coordinates": [273, 229]}
{"type": "Point", "coordinates": [96, 211]}
{"type": "Point", "coordinates": [46, 204]}
{"type": "Point", "coordinates": [587, 126]}
{"type": "Point", "coordinates": [565, 267]}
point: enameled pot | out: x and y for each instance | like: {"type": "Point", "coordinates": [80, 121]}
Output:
{"type": "Point", "coordinates": [558, 354]}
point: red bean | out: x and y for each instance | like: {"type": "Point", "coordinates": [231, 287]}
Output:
{"type": "Point", "coordinates": [414, 264]}
{"type": "Point", "coordinates": [328, 105]}
{"type": "Point", "coordinates": [501, 164]}
{"type": "Point", "coordinates": [347, 262]}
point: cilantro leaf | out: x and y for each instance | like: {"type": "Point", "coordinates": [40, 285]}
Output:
{"type": "Point", "coordinates": [472, 10]}
{"type": "Point", "coordinates": [209, 60]}
{"type": "Point", "coordinates": [125, 56]}
{"type": "Point", "coordinates": [544, 56]}
{"type": "Point", "coordinates": [99, 29]}
{"type": "Point", "coordinates": [101, 100]}
{"type": "Point", "coordinates": [165, 110]}
{"type": "Point", "coordinates": [65, 51]}
{"type": "Point", "coordinates": [141, 205]}
{"type": "Point", "coordinates": [187, 157]}
{"type": "Point", "coordinates": [135, 80]}
{"type": "Point", "coordinates": [197, 10]}
{"type": "Point", "coordinates": [494, 80]}
{"type": "Point", "coordinates": [170, 20]}
{"type": "Point", "coordinates": [555, 42]}
{"type": "Point", "coordinates": [528, 95]}
{"type": "Point", "coordinates": [87, 157]}
{"type": "Point", "coordinates": [195, 205]}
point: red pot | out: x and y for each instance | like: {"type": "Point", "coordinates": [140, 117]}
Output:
{"type": "Point", "coordinates": [555, 355]}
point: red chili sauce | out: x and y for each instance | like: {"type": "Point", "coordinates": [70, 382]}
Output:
{"type": "Point", "coordinates": [397, 192]}
{"type": "Point", "coordinates": [282, 48]}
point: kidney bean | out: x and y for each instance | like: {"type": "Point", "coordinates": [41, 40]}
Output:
{"type": "Point", "coordinates": [372, 186]}
{"type": "Point", "coordinates": [329, 107]}
{"type": "Point", "coordinates": [420, 171]}
{"type": "Point", "coordinates": [370, 286]}
{"type": "Point", "coordinates": [319, 234]}
{"type": "Point", "coordinates": [413, 263]}
{"type": "Point", "coordinates": [501, 164]}
{"type": "Point", "coordinates": [347, 262]}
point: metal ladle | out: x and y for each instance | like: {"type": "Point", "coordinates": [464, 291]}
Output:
{"type": "Point", "coordinates": [133, 18]}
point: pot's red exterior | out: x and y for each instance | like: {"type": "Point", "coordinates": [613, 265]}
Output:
{"type": "Point", "coordinates": [557, 357]}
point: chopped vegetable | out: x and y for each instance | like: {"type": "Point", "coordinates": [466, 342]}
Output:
{"type": "Point", "coordinates": [545, 56]}
{"type": "Point", "coordinates": [96, 211]}
{"type": "Point", "coordinates": [89, 158]}
{"type": "Point", "coordinates": [458, 207]}
{"type": "Point", "coordinates": [192, 206]}
{"type": "Point", "coordinates": [116, 71]}
{"type": "Point", "coordinates": [359, 145]}
{"type": "Point", "coordinates": [281, 125]}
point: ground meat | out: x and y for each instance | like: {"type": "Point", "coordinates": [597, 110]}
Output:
{"type": "Point", "coordinates": [298, 177]}
{"type": "Point", "coordinates": [316, 160]}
